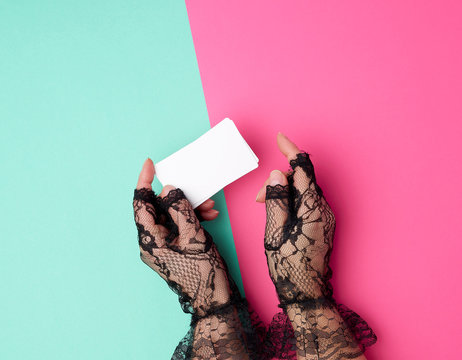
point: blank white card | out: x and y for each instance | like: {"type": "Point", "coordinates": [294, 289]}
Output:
{"type": "Point", "coordinates": [208, 164]}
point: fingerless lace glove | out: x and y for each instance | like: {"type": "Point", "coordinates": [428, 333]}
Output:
{"type": "Point", "coordinates": [299, 235]}
{"type": "Point", "coordinates": [175, 245]}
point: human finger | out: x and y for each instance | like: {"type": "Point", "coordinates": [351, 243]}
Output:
{"type": "Point", "coordinates": [209, 215]}
{"type": "Point", "coordinates": [150, 234]}
{"type": "Point", "coordinates": [287, 146]}
{"type": "Point", "coordinates": [262, 192]}
{"type": "Point", "coordinates": [277, 209]}
{"type": "Point", "coordinates": [303, 169]}
{"type": "Point", "coordinates": [188, 235]}
{"type": "Point", "coordinates": [206, 205]}
{"type": "Point", "coordinates": [146, 175]}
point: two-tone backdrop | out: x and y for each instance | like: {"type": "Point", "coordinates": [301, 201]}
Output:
{"type": "Point", "coordinates": [88, 90]}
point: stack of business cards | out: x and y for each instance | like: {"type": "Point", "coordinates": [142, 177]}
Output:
{"type": "Point", "coordinates": [208, 164]}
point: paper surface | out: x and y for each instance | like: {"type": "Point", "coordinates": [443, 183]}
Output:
{"type": "Point", "coordinates": [208, 164]}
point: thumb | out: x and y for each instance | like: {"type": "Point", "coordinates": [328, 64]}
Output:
{"type": "Point", "coordinates": [274, 177]}
{"type": "Point", "coordinates": [277, 209]}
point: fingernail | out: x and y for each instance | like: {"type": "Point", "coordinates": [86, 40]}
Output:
{"type": "Point", "coordinates": [276, 178]}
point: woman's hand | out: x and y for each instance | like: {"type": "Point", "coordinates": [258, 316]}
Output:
{"type": "Point", "coordinates": [299, 234]}
{"type": "Point", "coordinates": [174, 244]}
{"type": "Point", "coordinates": [204, 211]}
{"type": "Point", "coordinates": [299, 229]}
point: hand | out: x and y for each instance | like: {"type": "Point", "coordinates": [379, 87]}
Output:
{"type": "Point", "coordinates": [299, 233]}
{"type": "Point", "coordinates": [299, 229]}
{"type": "Point", "coordinates": [174, 244]}
{"type": "Point", "coordinates": [204, 211]}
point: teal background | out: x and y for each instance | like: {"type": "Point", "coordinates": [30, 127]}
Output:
{"type": "Point", "coordinates": [88, 90]}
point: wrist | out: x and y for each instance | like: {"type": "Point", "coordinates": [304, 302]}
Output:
{"type": "Point", "coordinates": [320, 330]}
{"type": "Point", "coordinates": [218, 309]}
{"type": "Point", "coordinates": [309, 290]}
{"type": "Point", "coordinates": [307, 304]}
{"type": "Point", "coordinates": [222, 332]}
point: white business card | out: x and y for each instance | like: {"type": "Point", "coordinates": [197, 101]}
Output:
{"type": "Point", "coordinates": [208, 164]}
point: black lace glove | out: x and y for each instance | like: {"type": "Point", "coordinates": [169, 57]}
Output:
{"type": "Point", "coordinates": [299, 235]}
{"type": "Point", "coordinates": [175, 245]}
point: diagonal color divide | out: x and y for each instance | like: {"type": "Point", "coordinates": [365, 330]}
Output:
{"type": "Point", "coordinates": [372, 91]}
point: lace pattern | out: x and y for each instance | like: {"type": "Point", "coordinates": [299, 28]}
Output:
{"type": "Point", "coordinates": [298, 242]}
{"type": "Point", "coordinates": [299, 236]}
{"type": "Point", "coordinates": [175, 245]}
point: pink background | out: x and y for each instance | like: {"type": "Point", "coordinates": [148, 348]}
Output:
{"type": "Point", "coordinates": [373, 92]}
